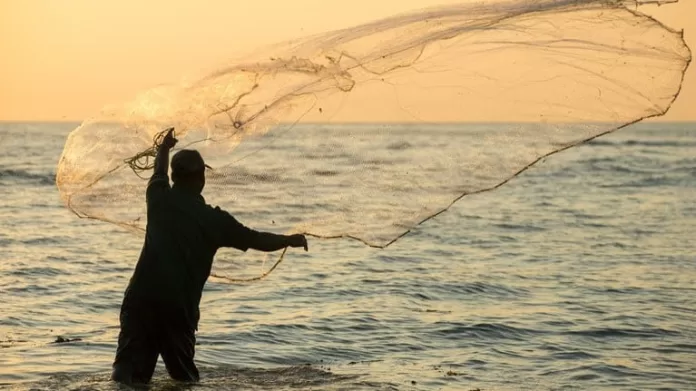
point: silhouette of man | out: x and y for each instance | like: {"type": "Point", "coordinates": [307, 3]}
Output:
{"type": "Point", "coordinates": [159, 314]}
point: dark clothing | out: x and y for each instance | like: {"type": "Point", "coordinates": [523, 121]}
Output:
{"type": "Point", "coordinates": [182, 236]}
{"type": "Point", "coordinates": [146, 332]}
{"type": "Point", "coordinates": [159, 314]}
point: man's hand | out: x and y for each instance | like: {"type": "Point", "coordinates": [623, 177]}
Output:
{"type": "Point", "coordinates": [298, 240]}
{"type": "Point", "coordinates": [169, 141]}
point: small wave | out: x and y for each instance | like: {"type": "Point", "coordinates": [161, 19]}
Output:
{"type": "Point", "coordinates": [481, 331]}
{"type": "Point", "coordinates": [377, 161]}
{"type": "Point", "coordinates": [327, 173]}
{"type": "Point", "coordinates": [600, 142]}
{"type": "Point", "coordinates": [653, 181]}
{"type": "Point", "coordinates": [399, 146]}
{"type": "Point", "coordinates": [612, 245]}
{"type": "Point", "coordinates": [29, 288]}
{"type": "Point", "coordinates": [558, 323]}
{"type": "Point", "coordinates": [42, 240]}
{"type": "Point", "coordinates": [660, 143]}
{"type": "Point", "coordinates": [685, 168]}
{"type": "Point", "coordinates": [9, 343]}
{"type": "Point", "coordinates": [242, 175]}
{"type": "Point", "coordinates": [573, 355]}
{"type": "Point", "coordinates": [676, 348]}
{"type": "Point", "coordinates": [4, 242]}
{"type": "Point", "coordinates": [628, 290]}
{"type": "Point", "coordinates": [628, 333]}
{"type": "Point", "coordinates": [622, 165]}
{"type": "Point", "coordinates": [518, 227]}
{"type": "Point", "coordinates": [643, 143]}
{"type": "Point", "coordinates": [480, 289]}
{"type": "Point", "coordinates": [26, 176]}
{"type": "Point", "coordinates": [327, 154]}
{"type": "Point", "coordinates": [591, 372]}
{"type": "Point", "coordinates": [261, 177]}
{"type": "Point", "coordinates": [36, 271]}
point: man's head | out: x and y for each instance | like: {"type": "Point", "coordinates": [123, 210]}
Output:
{"type": "Point", "coordinates": [188, 169]}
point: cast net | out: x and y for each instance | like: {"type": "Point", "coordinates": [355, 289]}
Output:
{"type": "Point", "coordinates": [366, 132]}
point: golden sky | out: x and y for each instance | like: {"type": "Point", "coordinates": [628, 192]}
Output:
{"type": "Point", "coordinates": [65, 59]}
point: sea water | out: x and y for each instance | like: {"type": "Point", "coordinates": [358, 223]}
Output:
{"type": "Point", "coordinates": [579, 274]}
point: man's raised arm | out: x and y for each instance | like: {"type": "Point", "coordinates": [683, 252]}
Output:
{"type": "Point", "coordinates": [159, 182]}
{"type": "Point", "coordinates": [162, 158]}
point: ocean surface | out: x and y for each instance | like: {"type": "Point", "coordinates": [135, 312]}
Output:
{"type": "Point", "coordinates": [580, 274]}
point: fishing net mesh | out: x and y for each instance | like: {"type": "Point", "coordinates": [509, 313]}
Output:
{"type": "Point", "coordinates": [366, 132]}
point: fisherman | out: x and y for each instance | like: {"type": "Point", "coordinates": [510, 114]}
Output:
{"type": "Point", "coordinates": [160, 310]}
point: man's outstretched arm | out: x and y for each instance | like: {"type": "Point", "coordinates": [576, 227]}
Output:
{"type": "Point", "coordinates": [268, 242]}
{"type": "Point", "coordinates": [235, 234]}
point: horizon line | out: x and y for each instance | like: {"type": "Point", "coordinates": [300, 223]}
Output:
{"type": "Point", "coordinates": [648, 120]}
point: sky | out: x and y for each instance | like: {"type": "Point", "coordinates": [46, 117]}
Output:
{"type": "Point", "coordinates": [66, 59]}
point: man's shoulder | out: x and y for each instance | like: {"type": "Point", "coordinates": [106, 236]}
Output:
{"type": "Point", "coordinates": [218, 212]}
{"type": "Point", "coordinates": [158, 180]}
{"type": "Point", "coordinates": [157, 186]}
{"type": "Point", "coordinates": [223, 217]}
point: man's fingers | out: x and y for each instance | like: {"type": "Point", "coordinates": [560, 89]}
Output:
{"type": "Point", "coordinates": [169, 139]}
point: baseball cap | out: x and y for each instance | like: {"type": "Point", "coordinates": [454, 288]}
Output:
{"type": "Point", "coordinates": [187, 162]}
